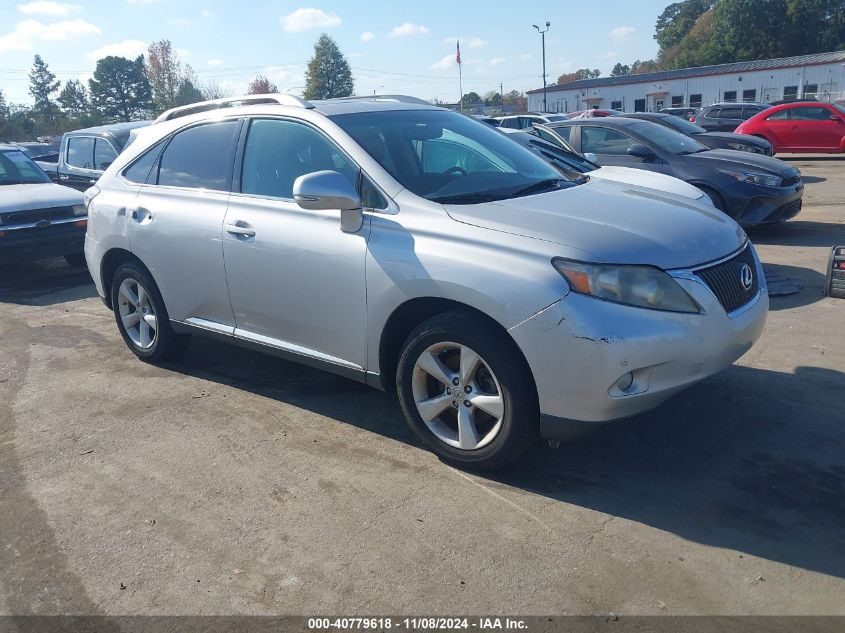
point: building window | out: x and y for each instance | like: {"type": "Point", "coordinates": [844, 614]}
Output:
{"type": "Point", "coordinates": [695, 101]}
{"type": "Point", "coordinates": [790, 92]}
{"type": "Point", "coordinates": [730, 95]}
{"type": "Point", "coordinates": [639, 105]}
{"type": "Point", "coordinates": [616, 105]}
{"type": "Point", "coordinates": [749, 95]}
{"type": "Point", "coordinates": [811, 90]}
{"type": "Point", "coordinates": [677, 101]}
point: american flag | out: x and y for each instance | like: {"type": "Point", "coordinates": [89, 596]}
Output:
{"type": "Point", "coordinates": [458, 55]}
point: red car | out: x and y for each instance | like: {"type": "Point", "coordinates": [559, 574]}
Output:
{"type": "Point", "coordinates": [800, 127]}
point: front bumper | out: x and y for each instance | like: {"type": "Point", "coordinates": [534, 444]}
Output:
{"type": "Point", "coordinates": [751, 205]}
{"type": "Point", "coordinates": [49, 241]}
{"type": "Point", "coordinates": [580, 347]}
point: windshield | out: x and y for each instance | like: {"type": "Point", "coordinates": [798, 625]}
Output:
{"type": "Point", "coordinates": [668, 140]}
{"type": "Point", "coordinates": [682, 125]}
{"type": "Point", "coordinates": [449, 158]}
{"type": "Point", "coordinates": [16, 168]}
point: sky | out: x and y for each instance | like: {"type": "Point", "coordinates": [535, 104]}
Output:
{"type": "Point", "coordinates": [393, 47]}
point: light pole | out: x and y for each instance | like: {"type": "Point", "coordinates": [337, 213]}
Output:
{"type": "Point", "coordinates": [542, 33]}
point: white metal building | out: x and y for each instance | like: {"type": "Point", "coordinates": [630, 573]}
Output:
{"type": "Point", "coordinates": [821, 75]}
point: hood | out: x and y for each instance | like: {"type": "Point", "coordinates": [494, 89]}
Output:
{"type": "Point", "coordinates": [650, 179]}
{"type": "Point", "coordinates": [615, 223]}
{"type": "Point", "coordinates": [732, 137]}
{"type": "Point", "coordinates": [742, 161]}
{"type": "Point", "coordinates": [37, 196]}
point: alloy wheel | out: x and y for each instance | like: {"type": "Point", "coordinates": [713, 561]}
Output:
{"type": "Point", "coordinates": [137, 313]}
{"type": "Point", "coordinates": [458, 396]}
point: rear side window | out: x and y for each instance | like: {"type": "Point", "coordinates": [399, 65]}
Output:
{"type": "Point", "coordinates": [747, 113]}
{"type": "Point", "coordinates": [512, 123]}
{"type": "Point", "coordinates": [104, 154]}
{"type": "Point", "coordinates": [782, 115]}
{"type": "Point", "coordinates": [278, 152]}
{"type": "Point", "coordinates": [200, 157]}
{"type": "Point", "coordinates": [80, 152]}
{"type": "Point", "coordinates": [139, 171]}
{"type": "Point", "coordinates": [564, 132]}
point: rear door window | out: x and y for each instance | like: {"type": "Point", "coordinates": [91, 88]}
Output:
{"type": "Point", "coordinates": [104, 154]}
{"type": "Point", "coordinates": [200, 157]}
{"type": "Point", "coordinates": [730, 113]}
{"type": "Point", "coordinates": [80, 152]}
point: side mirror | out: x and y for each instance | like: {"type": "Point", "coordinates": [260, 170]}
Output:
{"type": "Point", "coordinates": [591, 157]}
{"type": "Point", "coordinates": [325, 190]}
{"type": "Point", "coordinates": [640, 151]}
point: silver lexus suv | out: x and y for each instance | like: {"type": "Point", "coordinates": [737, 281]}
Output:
{"type": "Point", "coordinates": [415, 249]}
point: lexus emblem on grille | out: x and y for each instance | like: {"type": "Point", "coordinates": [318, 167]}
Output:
{"type": "Point", "coordinates": [746, 277]}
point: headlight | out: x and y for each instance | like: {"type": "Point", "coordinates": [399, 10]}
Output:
{"type": "Point", "coordinates": [754, 178]}
{"type": "Point", "coordinates": [80, 209]}
{"type": "Point", "coordinates": [640, 286]}
{"type": "Point", "coordinates": [741, 147]}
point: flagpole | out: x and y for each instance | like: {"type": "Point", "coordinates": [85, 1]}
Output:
{"type": "Point", "coordinates": [460, 80]}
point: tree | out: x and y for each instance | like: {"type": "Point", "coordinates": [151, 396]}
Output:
{"type": "Point", "coordinates": [261, 86]}
{"type": "Point", "coordinates": [470, 98]}
{"type": "Point", "coordinates": [42, 84]}
{"type": "Point", "coordinates": [581, 73]}
{"type": "Point", "coordinates": [172, 82]}
{"type": "Point", "coordinates": [328, 74]}
{"type": "Point", "coordinates": [620, 69]}
{"type": "Point", "coordinates": [74, 99]}
{"type": "Point", "coordinates": [492, 98]}
{"type": "Point", "coordinates": [120, 89]}
{"type": "Point", "coordinates": [677, 20]}
{"type": "Point", "coordinates": [644, 66]}
{"type": "Point", "coordinates": [213, 90]}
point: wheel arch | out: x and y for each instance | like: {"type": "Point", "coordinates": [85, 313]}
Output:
{"type": "Point", "coordinates": [111, 261]}
{"type": "Point", "coordinates": [408, 315]}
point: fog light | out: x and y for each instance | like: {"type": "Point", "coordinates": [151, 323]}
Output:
{"type": "Point", "coordinates": [625, 382]}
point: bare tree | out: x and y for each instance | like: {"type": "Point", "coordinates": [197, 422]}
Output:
{"type": "Point", "coordinates": [261, 86]}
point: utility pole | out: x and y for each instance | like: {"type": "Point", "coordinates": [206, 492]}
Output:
{"type": "Point", "coordinates": [501, 97]}
{"type": "Point", "coordinates": [542, 33]}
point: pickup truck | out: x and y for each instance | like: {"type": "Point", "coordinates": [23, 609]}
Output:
{"type": "Point", "coordinates": [86, 154]}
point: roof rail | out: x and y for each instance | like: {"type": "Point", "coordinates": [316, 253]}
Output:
{"type": "Point", "coordinates": [231, 102]}
{"type": "Point", "coordinates": [398, 98]}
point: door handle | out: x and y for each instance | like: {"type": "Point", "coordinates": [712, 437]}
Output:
{"type": "Point", "coordinates": [238, 229]}
{"type": "Point", "coordinates": [63, 177]}
{"type": "Point", "coordinates": [92, 181]}
{"type": "Point", "coordinates": [140, 215]}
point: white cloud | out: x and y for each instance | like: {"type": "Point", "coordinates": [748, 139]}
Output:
{"type": "Point", "coordinates": [496, 61]}
{"type": "Point", "coordinates": [368, 36]}
{"type": "Point", "coordinates": [608, 55]}
{"type": "Point", "coordinates": [214, 62]}
{"type": "Point", "coordinates": [622, 33]}
{"type": "Point", "coordinates": [130, 49]}
{"type": "Point", "coordinates": [30, 31]}
{"type": "Point", "coordinates": [407, 28]}
{"type": "Point", "coordinates": [43, 7]}
{"type": "Point", "coordinates": [444, 63]}
{"type": "Point", "coordinates": [307, 18]}
{"type": "Point", "coordinates": [466, 42]}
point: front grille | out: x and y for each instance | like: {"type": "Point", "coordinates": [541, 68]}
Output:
{"type": "Point", "coordinates": [725, 280]}
{"type": "Point", "coordinates": [31, 217]}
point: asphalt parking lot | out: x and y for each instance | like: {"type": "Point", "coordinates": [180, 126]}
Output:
{"type": "Point", "coordinates": [233, 483]}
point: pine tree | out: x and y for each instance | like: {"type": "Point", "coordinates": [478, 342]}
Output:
{"type": "Point", "coordinates": [120, 89]}
{"type": "Point", "coordinates": [328, 74]}
{"type": "Point", "coordinates": [42, 84]}
{"type": "Point", "coordinates": [74, 99]}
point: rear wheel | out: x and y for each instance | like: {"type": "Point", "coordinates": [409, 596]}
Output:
{"type": "Point", "coordinates": [142, 317]}
{"type": "Point", "coordinates": [466, 392]}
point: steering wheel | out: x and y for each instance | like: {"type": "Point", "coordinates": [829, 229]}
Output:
{"type": "Point", "coordinates": [455, 170]}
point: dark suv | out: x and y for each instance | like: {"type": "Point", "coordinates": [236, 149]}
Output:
{"type": "Point", "coordinates": [726, 117]}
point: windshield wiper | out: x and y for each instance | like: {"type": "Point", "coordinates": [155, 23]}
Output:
{"type": "Point", "coordinates": [539, 186]}
{"type": "Point", "coordinates": [474, 197]}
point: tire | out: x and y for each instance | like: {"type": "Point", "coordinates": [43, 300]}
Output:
{"type": "Point", "coordinates": [505, 424]}
{"type": "Point", "coordinates": [150, 339]}
{"type": "Point", "coordinates": [76, 260]}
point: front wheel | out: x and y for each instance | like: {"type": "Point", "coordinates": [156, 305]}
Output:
{"type": "Point", "coordinates": [141, 316]}
{"type": "Point", "coordinates": [466, 391]}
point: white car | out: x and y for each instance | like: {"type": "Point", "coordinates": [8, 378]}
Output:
{"type": "Point", "coordinates": [37, 217]}
{"type": "Point", "coordinates": [573, 161]}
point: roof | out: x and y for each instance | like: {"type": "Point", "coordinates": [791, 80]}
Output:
{"type": "Point", "coordinates": [115, 129]}
{"type": "Point", "coordinates": [702, 71]}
